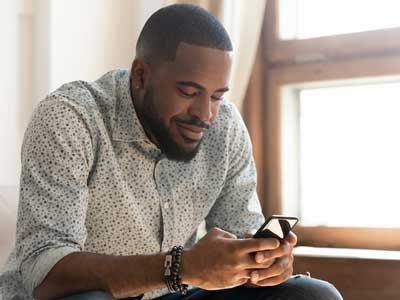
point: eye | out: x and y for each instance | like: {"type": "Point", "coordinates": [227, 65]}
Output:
{"type": "Point", "coordinates": [214, 98]}
{"type": "Point", "coordinates": [218, 96]}
{"type": "Point", "coordinates": [188, 94]}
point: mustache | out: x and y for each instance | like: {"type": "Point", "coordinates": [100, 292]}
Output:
{"type": "Point", "coordinates": [194, 122]}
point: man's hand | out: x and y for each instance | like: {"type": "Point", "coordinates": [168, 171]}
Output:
{"type": "Point", "coordinates": [275, 266]}
{"type": "Point", "coordinates": [220, 260]}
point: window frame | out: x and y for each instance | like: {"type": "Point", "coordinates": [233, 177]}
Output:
{"type": "Point", "coordinates": [363, 64]}
{"type": "Point", "coordinates": [326, 48]}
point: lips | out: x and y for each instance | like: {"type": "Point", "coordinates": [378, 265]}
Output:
{"type": "Point", "coordinates": [190, 132]}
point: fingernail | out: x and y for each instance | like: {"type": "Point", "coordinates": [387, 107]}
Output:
{"type": "Point", "coordinates": [259, 257]}
{"type": "Point", "coordinates": [254, 276]}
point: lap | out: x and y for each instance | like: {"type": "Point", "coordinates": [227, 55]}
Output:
{"type": "Point", "coordinates": [96, 295]}
{"type": "Point", "coordinates": [296, 288]}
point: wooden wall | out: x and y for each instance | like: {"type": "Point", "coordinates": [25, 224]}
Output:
{"type": "Point", "coordinates": [356, 279]}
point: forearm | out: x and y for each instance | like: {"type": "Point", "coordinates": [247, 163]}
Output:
{"type": "Point", "coordinates": [122, 276]}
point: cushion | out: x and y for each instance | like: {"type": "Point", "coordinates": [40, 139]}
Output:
{"type": "Point", "coordinates": [8, 218]}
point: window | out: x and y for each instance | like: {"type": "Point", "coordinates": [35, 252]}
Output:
{"type": "Point", "coordinates": [349, 155]}
{"type": "Point", "coordinates": [298, 18]}
{"type": "Point", "coordinates": [333, 116]}
{"type": "Point", "coordinates": [305, 30]}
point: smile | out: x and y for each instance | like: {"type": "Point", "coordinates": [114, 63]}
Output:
{"type": "Point", "coordinates": [191, 133]}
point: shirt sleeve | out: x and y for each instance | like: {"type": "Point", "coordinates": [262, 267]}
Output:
{"type": "Point", "coordinates": [57, 156]}
{"type": "Point", "coordinates": [237, 209]}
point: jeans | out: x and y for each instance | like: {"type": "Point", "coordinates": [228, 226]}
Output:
{"type": "Point", "coordinates": [298, 287]}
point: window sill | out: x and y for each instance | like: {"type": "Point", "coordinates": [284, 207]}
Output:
{"type": "Point", "coordinates": [302, 251]}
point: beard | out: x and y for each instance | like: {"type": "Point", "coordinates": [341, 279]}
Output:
{"type": "Point", "coordinates": [166, 142]}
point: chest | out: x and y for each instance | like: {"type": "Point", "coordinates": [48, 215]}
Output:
{"type": "Point", "coordinates": [144, 201]}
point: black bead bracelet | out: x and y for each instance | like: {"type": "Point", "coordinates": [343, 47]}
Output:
{"type": "Point", "coordinates": [172, 265]}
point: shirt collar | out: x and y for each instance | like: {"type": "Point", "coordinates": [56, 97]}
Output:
{"type": "Point", "coordinates": [127, 125]}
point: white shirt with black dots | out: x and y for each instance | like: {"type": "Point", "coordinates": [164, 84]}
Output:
{"type": "Point", "coordinates": [91, 180]}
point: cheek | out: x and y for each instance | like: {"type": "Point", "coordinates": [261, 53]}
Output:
{"type": "Point", "coordinates": [168, 108]}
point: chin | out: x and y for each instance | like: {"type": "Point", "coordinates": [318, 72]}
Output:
{"type": "Point", "coordinates": [189, 146]}
{"type": "Point", "coordinates": [183, 151]}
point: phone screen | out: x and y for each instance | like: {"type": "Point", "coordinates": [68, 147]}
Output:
{"type": "Point", "coordinates": [276, 226]}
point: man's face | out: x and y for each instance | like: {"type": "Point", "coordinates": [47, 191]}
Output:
{"type": "Point", "coordinates": [182, 98]}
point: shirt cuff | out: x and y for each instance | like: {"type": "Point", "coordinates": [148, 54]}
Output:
{"type": "Point", "coordinates": [35, 269]}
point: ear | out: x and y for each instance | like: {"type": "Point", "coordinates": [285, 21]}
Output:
{"type": "Point", "coordinates": [140, 73]}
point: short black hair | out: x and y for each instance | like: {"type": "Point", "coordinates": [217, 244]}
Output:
{"type": "Point", "coordinates": [173, 24]}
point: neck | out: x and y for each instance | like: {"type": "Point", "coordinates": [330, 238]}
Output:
{"type": "Point", "coordinates": [137, 101]}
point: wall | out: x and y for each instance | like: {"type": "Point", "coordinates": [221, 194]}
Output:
{"type": "Point", "coordinates": [47, 43]}
{"type": "Point", "coordinates": [43, 44]}
{"type": "Point", "coordinates": [8, 97]}
{"type": "Point", "coordinates": [84, 39]}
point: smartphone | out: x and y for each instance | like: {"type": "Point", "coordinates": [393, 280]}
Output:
{"type": "Point", "coordinates": [276, 226]}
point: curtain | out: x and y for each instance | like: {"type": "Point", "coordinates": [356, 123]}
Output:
{"type": "Point", "coordinates": [243, 20]}
{"type": "Point", "coordinates": [254, 108]}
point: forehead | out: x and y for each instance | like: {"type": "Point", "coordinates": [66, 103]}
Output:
{"type": "Point", "coordinates": [201, 64]}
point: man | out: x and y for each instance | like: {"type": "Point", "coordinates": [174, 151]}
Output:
{"type": "Point", "coordinates": [117, 172]}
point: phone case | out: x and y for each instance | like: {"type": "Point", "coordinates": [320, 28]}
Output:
{"type": "Point", "coordinates": [276, 226]}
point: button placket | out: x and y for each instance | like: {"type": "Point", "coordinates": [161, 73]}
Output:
{"type": "Point", "coordinates": [167, 215]}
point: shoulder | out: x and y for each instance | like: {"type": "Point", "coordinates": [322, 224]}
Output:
{"type": "Point", "coordinates": [228, 135]}
{"type": "Point", "coordinates": [228, 114]}
{"type": "Point", "coordinates": [229, 124]}
{"type": "Point", "coordinates": [92, 95]}
{"type": "Point", "coordinates": [90, 101]}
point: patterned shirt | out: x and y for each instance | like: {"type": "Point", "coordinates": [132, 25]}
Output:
{"type": "Point", "coordinates": [92, 181]}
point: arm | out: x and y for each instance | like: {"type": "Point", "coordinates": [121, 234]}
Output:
{"type": "Point", "coordinates": [121, 276]}
{"type": "Point", "coordinates": [237, 208]}
{"type": "Point", "coordinates": [224, 263]}
{"type": "Point", "coordinates": [57, 158]}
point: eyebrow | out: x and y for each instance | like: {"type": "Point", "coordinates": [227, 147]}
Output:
{"type": "Point", "coordinates": [200, 87]}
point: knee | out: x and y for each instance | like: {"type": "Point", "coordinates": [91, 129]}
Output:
{"type": "Point", "coordinates": [306, 288]}
{"type": "Point", "coordinates": [96, 295]}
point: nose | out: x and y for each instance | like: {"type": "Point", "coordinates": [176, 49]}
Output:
{"type": "Point", "coordinates": [201, 108]}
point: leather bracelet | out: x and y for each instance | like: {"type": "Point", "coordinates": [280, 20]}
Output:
{"type": "Point", "coordinates": [172, 265]}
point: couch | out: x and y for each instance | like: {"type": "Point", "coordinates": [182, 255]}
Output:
{"type": "Point", "coordinates": [8, 217]}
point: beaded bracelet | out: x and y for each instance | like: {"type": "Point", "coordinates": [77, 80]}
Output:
{"type": "Point", "coordinates": [172, 264]}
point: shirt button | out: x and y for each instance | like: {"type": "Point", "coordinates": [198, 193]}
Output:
{"type": "Point", "coordinates": [166, 205]}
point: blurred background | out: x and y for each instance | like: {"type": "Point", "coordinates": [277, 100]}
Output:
{"type": "Point", "coordinates": [317, 83]}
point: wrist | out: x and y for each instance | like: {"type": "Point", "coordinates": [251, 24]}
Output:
{"type": "Point", "coordinates": [187, 271]}
{"type": "Point", "coordinates": [173, 271]}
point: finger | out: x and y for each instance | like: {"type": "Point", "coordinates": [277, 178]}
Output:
{"type": "Point", "coordinates": [244, 274]}
{"type": "Point", "coordinates": [241, 281]}
{"type": "Point", "coordinates": [235, 283]}
{"type": "Point", "coordinates": [284, 249]}
{"type": "Point", "coordinates": [241, 278]}
{"type": "Point", "coordinates": [260, 266]}
{"type": "Point", "coordinates": [280, 266]}
{"type": "Point", "coordinates": [291, 238]}
{"type": "Point", "coordinates": [249, 263]}
{"type": "Point", "coordinates": [254, 245]}
{"type": "Point", "coordinates": [275, 280]}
